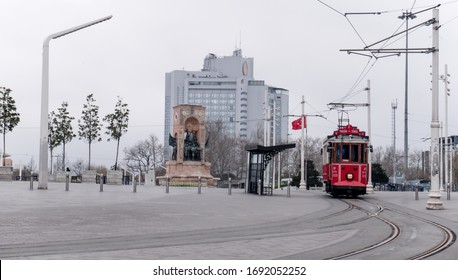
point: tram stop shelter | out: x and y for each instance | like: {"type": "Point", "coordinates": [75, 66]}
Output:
{"type": "Point", "coordinates": [259, 158]}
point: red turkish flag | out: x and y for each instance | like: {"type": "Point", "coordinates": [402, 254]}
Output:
{"type": "Point", "coordinates": [297, 124]}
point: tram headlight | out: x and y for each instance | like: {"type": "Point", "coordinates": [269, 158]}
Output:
{"type": "Point", "coordinates": [349, 176]}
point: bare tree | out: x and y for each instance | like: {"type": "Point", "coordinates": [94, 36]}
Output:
{"type": "Point", "coordinates": [415, 170]}
{"type": "Point", "coordinates": [144, 154]}
{"type": "Point", "coordinates": [78, 167]}
{"type": "Point", "coordinates": [61, 163]}
{"type": "Point", "coordinates": [221, 150]}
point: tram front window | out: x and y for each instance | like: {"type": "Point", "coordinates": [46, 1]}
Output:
{"type": "Point", "coordinates": [345, 152]}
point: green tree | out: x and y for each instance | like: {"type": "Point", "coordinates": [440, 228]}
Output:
{"type": "Point", "coordinates": [52, 135]}
{"type": "Point", "coordinates": [63, 128]}
{"type": "Point", "coordinates": [89, 124]}
{"type": "Point", "coordinates": [9, 117]}
{"type": "Point", "coordinates": [312, 175]}
{"type": "Point", "coordinates": [118, 123]}
{"type": "Point", "coordinates": [378, 174]}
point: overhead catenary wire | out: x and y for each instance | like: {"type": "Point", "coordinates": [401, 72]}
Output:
{"type": "Point", "coordinates": [385, 41]}
{"type": "Point", "coordinates": [365, 70]}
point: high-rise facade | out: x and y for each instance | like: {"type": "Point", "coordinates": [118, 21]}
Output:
{"type": "Point", "coordinates": [227, 88]}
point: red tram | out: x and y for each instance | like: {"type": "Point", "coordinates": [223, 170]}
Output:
{"type": "Point", "coordinates": [345, 167]}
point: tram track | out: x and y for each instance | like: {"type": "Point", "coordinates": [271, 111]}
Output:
{"type": "Point", "coordinates": [395, 231]}
{"type": "Point", "coordinates": [447, 241]}
{"type": "Point", "coordinates": [449, 236]}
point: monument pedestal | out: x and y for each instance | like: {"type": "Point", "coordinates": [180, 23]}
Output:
{"type": "Point", "coordinates": [188, 173]}
{"type": "Point", "coordinates": [188, 141]}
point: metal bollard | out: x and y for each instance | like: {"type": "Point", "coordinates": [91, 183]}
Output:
{"type": "Point", "coordinates": [229, 187]}
{"type": "Point", "coordinates": [134, 184]}
{"type": "Point", "coordinates": [101, 182]}
{"type": "Point", "coordinates": [259, 187]}
{"type": "Point", "coordinates": [288, 190]}
{"type": "Point", "coordinates": [167, 184]}
{"type": "Point", "coordinates": [199, 186]}
{"type": "Point", "coordinates": [31, 183]}
{"type": "Point", "coordinates": [448, 191]}
{"type": "Point", "coordinates": [416, 192]}
{"type": "Point", "coordinates": [67, 182]}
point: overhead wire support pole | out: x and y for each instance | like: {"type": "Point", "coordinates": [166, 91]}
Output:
{"type": "Point", "coordinates": [447, 144]}
{"type": "Point", "coordinates": [406, 16]}
{"type": "Point", "coordinates": [370, 187]}
{"type": "Point", "coordinates": [434, 201]}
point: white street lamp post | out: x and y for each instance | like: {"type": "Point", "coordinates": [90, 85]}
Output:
{"type": "Point", "coordinates": [43, 157]}
{"type": "Point", "coordinates": [434, 201]}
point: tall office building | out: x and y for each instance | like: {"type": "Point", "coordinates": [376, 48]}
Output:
{"type": "Point", "coordinates": [227, 88]}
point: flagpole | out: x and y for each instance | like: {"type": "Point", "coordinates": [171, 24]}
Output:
{"type": "Point", "coordinates": [302, 184]}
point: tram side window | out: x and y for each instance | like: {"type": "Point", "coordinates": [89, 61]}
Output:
{"type": "Point", "coordinates": [336, 155]}
{"type": "Point", "coordinates": [354, 153]}
{"type": "Point", "coordinates": [363, 153]}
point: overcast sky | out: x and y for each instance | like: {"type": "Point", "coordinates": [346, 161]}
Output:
{"type": "Point", "coordinates": [295, 45]}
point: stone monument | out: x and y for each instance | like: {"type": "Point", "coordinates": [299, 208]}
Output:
{"type": "Point", "coordinates": [188, 141]}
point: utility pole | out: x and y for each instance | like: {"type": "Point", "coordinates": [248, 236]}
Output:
{"type": "Point", "coordinates": [446, 144]}
{"type": "Point", "coordinates": [394, 106]}
{"type": "Point", "coordinates": [370, 187]}
{"type": "Point", "coordinates": [406, 16]}
{"type": "Point", "coordinates": [434, 201]}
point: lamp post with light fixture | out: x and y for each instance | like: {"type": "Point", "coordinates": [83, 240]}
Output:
{"type": "Point", "coordinates": [43, 156]}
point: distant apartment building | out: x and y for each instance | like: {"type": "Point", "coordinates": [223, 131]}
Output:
{"type": "Point", "coordinates": [227, 88]}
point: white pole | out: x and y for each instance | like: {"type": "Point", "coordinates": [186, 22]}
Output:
{"type": "Point", "coordinates": [154, 175]}
{"type": "Point", "coordinates": [269, 127]}
{"type": "Point", "coordinates": [43, 155]}
{"type": "Point", "coordinates": [434, 201]}
{"type": "Point", "coordinates": [451, 166]}
{"type": "Point", "coordinates": [447, 145]}
{"type": "Point", "coordinates": [274, 160]}
{"type": "Point", "coordinates": [279, 170]}
{"type": "Point", "coordinates": [20, 171]}
{"type": "Point", "coordinates": [370, 188]}
{"type": "Point", "coordinates": [302, 184]}
{"type": "Point", "coordinates": [441, 158]}
{"type": "Point", "coordinates": [265, 117]}
{"type": "Point", "coordinates": [394, 106]}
